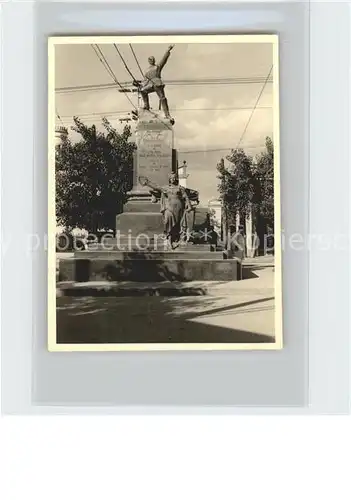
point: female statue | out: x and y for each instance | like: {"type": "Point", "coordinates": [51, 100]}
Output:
{"type": "Point", "coordinates": [175, 208]}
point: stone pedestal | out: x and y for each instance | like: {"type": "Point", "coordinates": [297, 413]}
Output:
{"type": "Point", "coordinates": [154, 138]}
{"type": "Point", "coordinates": [150, 267]}
{"type": "Point", "coordinates": [154, 159]}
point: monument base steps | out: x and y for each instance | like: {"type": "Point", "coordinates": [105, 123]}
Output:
{"type": "Point", "coordinates": [149, 269]}
{"type": "Point", "coordinates": [141, 289]}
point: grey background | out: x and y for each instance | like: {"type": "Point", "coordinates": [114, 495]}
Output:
{"type": "Point", "coordinates": [314, 170]}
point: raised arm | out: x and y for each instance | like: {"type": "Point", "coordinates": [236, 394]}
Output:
{"type": "Point", "coordinates": [165, 57]}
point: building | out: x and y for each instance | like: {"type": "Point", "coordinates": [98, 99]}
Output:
{"type": "Point", "coordinates": [60, 134]}
{"type": "Point", "coordinates": [182, 174]}
{"type": "Point", "coordinates": [215, 211]}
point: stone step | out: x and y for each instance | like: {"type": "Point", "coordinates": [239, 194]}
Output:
{"type": "Point", "coordinates": [149, 270]}
{"type": "Point", "coordinates": [153, 255]}
{"type": "Point", "coordinates": [132, 289]}
{"type": "Point", "coordinates": [159, 245]}
{"type": "Point", "coordinates": [165, 288]}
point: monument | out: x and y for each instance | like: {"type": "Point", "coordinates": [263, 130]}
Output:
{"type": "Point", "coordinates": [162, 234]}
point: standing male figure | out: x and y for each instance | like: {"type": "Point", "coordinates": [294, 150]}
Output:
{"type": "Point", "coordinates": [153, 83]}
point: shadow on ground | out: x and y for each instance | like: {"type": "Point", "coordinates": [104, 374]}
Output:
{"type": "Point", "coordinates": [249, 271]}
{"type": "Point", "coordinates": [148, 320]}
{"type": "Point", "coordinates": [177, 290]}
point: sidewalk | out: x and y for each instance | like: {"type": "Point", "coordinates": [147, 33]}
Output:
{"type": "Point", "coordinates": [242, 312]}
{"type": "Point", "coordinates": [261, 260]}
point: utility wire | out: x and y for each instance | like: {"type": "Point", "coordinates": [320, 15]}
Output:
{"type": "Point", "coordinates": [106, 65]}
{"type": "Point", "coordinates": [104, 62]}
{"type": "Point", "coordinates": [136, 60]}
{"type": "Point", "coordinates": [179, 83]}
{"type": "Point", "coordinates": [218, 149]}
{"type": "Point", "coordinates": [121, 112]}
{"type": "Point", "coordinates": [124, 63]}
{"type": "Point", "coordinates": [193, 151]}
{"type": "Point", "coordinates": [254, 108]}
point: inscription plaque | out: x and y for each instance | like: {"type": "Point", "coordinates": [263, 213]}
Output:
{"type": "Point", "coordinates": [154, 150]}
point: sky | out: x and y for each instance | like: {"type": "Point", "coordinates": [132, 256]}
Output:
{"type": "Point", "coordinates": [210, 104]}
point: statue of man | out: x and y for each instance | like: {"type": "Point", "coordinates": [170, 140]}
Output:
{"type": "Point", "coordinates": [153, 83]}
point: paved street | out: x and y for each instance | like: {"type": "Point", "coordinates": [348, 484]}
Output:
{"type": "Point", "coordinates": [241, 311]}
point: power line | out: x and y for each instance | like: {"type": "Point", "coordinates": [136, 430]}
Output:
{"type": "Point", "coordinates": [218, 149]}
{"type": "Point", "coordinates": [109, 113]}
{"type": "Point", "coordinates": [254, 108]}
{"type": "Point", "coordinates": [106, 65]}
{"type": "Point", "coordinates": [103, 61]}
{"type": "Point", "coordinates": [193, 151]}
{"type": "Point", "coordinates": [92, 119]}
{"type": "Point", "coordinates": [211, 150]}
{"type": "Point", "coordinates": [181, 83]}
{"type": "Point", "coordinates": [124, 63]}
{"type": "Point", "coordinates": [136, 60]}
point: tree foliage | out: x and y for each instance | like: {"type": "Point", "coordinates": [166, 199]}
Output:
{"type": "Point", "coordinates": [263, 172]}
{"type": "Point", "coordinates": [93, 176]}
{"type": "Point", "coordinates": [236, 184]}
{"type": "Point", "coordinates": [246, 185]}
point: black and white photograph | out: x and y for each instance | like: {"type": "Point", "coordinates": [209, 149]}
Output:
{"type": "Point", "coordinates": [164, 193]}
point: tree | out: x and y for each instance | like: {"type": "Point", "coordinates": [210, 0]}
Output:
{"type": "Point", "coordinates": [247, 187]}
{"type": "Point", "coordinates": [263, 174]}
{"type": "Point", "coordinates": [236, 185]}
{"type": "Point", "coordinates": [93, 176]}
